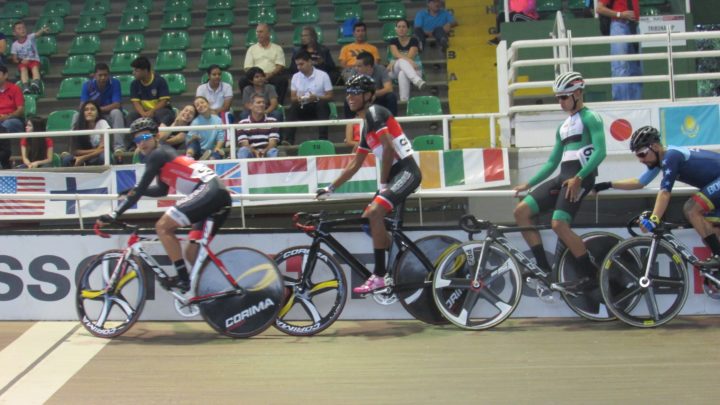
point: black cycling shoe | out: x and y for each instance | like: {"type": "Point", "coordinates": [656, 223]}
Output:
{"type": "Point", "coordinates": [712, 262]}
{"type": "Point", "coordinates": [180, 283]}
{"type": "Point", "coordinates": [575, 287]}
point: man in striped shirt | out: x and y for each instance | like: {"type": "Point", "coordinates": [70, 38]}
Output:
{"type": "Point", "coordinates": [257, 142]}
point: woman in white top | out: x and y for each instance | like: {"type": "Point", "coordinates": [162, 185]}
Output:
{"type": "Point", "coordinates": [87, 149]}
{"type": "Point", "coordinates": [218, 93]}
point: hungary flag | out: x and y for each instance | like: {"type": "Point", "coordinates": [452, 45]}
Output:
{"type": "Point", "coordinates": [473, 168]}
{"type": "Point", "coordinates": [330, 167]}
{"type": "Point", "coordinates": [279, 176]}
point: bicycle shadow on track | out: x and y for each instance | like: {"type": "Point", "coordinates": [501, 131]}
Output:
{"type": "Point", "coordinates": [576, 324]}
{"type": "Point", "coordinates": [379, 330]}
{"type": "Point", "coordinates": [181, 334]}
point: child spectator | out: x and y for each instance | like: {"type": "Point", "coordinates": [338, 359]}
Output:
{"type": "Point", "coordinates": [36, 152]}
{"type": "Point", "coordinates": [87, 149]}
{"type": "Point", "coordinates": [405, 64]}
{"type": "Point", "coordinates": [24, 52]}
{"type": "Point", "coordinates": [259, 85]}
{"type": "Point", "coordinates": [205, 144]}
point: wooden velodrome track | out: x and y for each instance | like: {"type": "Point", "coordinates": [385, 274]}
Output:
{"type": "Point", "coordinates": [535, 361]}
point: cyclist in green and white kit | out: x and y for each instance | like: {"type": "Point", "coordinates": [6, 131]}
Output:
{"type": "Point", "coordinates": [579, 150]}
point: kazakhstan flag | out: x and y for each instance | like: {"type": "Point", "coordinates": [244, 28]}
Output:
{"type": "Point", "coordinates": [691, 125]}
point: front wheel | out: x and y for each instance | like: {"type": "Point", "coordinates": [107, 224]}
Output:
{"type": "Point", "coordinates": [478, 285]}
{"type": "Point", "coordinates": [635, 304]}
{"type": "Point", "coordinates": [245, 311]}
{"type": "Point", "coordinates": [106, 310]}
{"type": "Point", "coordinates": [315, 300]}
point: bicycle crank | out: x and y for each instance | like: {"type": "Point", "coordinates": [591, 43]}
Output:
{"type": "Point", "coordinates": [711, 286]}
{"type": "Point", "coordinates": [186, 310]}
{"type": "Point", "coordinates": [543, 292]}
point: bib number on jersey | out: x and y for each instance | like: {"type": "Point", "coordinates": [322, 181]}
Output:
{"type": "Point", "coordinates": [584, 154]}
{"type": "Point", "coordinates": [402, 146]}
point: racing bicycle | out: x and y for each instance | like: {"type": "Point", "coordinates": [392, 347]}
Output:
{"type": "Point", "coordinates": [479, 284]}
{"type": "Point", "coordinates": [238, 292]}
{"type": "Point", "coordinates": [316, 285]}
{"type": "Point", "coordinates": [652, 271]}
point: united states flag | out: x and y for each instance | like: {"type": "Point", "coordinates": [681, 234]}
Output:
{"type": "Point", "coordinates": [19, 185]}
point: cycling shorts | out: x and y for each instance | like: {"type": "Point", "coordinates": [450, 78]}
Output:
{"type": "Point", "coordinates": [551, 194]}
{"type": "Point", "coordinates": [206, 200]}
{"type": "Point", "coordinates": [709, 199]}
{"type": "Point", "coordinates": [405, 178]}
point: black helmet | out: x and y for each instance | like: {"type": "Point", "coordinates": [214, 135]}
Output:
{"type": "Point", "coordinates": [644, 137]}
{"type": "Point", "coordinates": [359, 84]}
{"type": "Point", "coordinates": [143, 124]}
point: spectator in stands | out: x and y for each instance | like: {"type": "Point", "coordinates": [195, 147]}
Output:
{"type": "Point", "coordinates": [36, 152]}
{"type": "Point", "coordinates": [258, 142]}
{"type": "Point", "coordinates": [218, 93]}
{"type": "Point", "coordinates": [184, 118]}
{"type": "Point", "coordinates": [204, 144]}
{"type": "Point", "coordinates": [435, 22]}
{"type": "Point", "coordinates": [520, 10]}
{"type": "Point", "coordinates": [3, 48]}
{"type": "Point", "coordinates": [106, 91]}
{"type": "Point", "coordinates": [5, 150]}
{"type": "Point", "coordinates": [87, 149]}
{"type": "Point", "coordinates": [149, 94]}
{"type": "Point", "coordinates": [405, 64]}
{"type": "Point", "coordinates": [258, 85]}
{"type": "Point", "coordinates": [24, 52]}
{"type": "Point", "coordinates": [270, 58]}
{"type": "Point", "coordinates": [320, 55]}
{"type": "Point", "coordinates": [384, 94]}
{"type": "Point", "coordinates": [310, 95]}
{"type": "Point", "coordinates": [624, 15]}
{"type": "Point", "coordinates": [12, 104]}
{"type": "Point", "coordinates": [349, 53]}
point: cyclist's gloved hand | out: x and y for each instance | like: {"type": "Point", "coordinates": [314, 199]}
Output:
{"type": "Point", "coordinates": [108, 218]}
{"type": "Point", "coordinates": [649, 221]}
{"type": "Point", "coordinates": [602, 186]}
{"type": "Point", "coordinates": [324, 193]}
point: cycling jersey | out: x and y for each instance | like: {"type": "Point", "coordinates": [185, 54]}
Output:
{"type": "Point", "coordinates": [172, 170]}
{"type": "Point", "coordinates": [580, 138]}
{"type": "Point", "coordinates": [378, 122]}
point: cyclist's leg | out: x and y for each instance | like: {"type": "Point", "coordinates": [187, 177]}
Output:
{"type": "Point", "coordinates": [539, 200]}
{"type": "Point", "coordinates": [699, 210]}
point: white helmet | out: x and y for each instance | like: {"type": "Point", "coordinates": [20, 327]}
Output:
{"type": "Point", "coordinates": [568, 82]}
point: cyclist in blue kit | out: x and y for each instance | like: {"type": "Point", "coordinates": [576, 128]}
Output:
{"type": "Point", "coordinates": [695, 167]}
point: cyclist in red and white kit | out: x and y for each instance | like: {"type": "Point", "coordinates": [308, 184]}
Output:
{"type": "Point", "coordinates": [206, 195]}
{"type": "Point", "coordinates": [399, 174]}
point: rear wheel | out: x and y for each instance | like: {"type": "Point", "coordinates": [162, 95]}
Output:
{"type": "Point", "coordinates": [314, 302]}
{"type": "Point", "coordinates": [413, 280]}
{"type": "Point", "coordinates": [644, 307]}
{"type": "Point", "coordinates": [475, 292]}
{"type": "Point", "coordinates": [109, 311]}
{"type": "Point", "coordinates": [246, 311]}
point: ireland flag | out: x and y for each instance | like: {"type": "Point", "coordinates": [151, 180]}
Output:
{"type": "Point", "coordinates": [464, 168]}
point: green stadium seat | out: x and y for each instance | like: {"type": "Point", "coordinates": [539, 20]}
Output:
{"type": "Point", "coordinates": [94, 9]}
{"type": "Point", "coordinates": [262, 14]}
{"type": "Point", "coordinates": [302, 3]}
{"type": "Point", "coordinates": [120, 62]}
{"type": "Point", "coordinates": [176, 20]}
{"type": "Point", "coordinates": [85, 44]}
{"type": "Point", "coordinates": [129, 43]}
{"type": "Point", "coordinates": [390, 11]}
{"type": "Point", "coordinates": [341, 39]}
{"type": "Point", "coordinates": [6, 25]}
{"type": "Point", "coordinates": [388, 31]}
{"type": "Point", "coordinates": [304, 14]}
{"type": "Point", "coordinates": [261, 3]}
{"type": "Point", "coordinates": [336, 2]}
{"type": "Point", "coordinates": [170, 61]}
{"type": "Point", "coordinates": [297, 33]}
{"type": "Point", "coordinates": [219, 18]}
{"type": "Point", "coordinates": [221, 4]}
{"type": "Point", "coordinates": [79, 65]}
{"type": "Point", "coordinates": [219, 38]}
{"type": "Point", "coordinates": [134, 21]}
{"type": "Point", "coordinates": [350, 10]}
{"type": "Point", "coordinates": [91, 24]}
{"type": "Point", "coordinates": [56, 161]}
{"type": "Point", "coordinates": [428, 142]}
{"type": "Point", "coordinates": [251, 36]}
{"type": "Point", "coordinates": [125, 81]}
{"type": "Point", "coordinates": [176, 83]}
{"type": "Point", "coordinates": [44, 65]}
{"type": "Point", "coordinates": [46, 45]}
{"type": "Point", "coordinates": [15, 9]}
{"type": "Point", "coordinates": [333, 111]}
{"type": "Point", "coordinates": [60, 120]}
{"type": "Point", "coordinates": [54, 23]}
{"type": "Point", "coordinates": [57, 7]}
{"type": "Point", "coordinates": [578, 4]}
{"type": "Point", "coordinates": [316, 148]}
{"type": "Point", "coordinates": [549, 5]}
{"type": "Point", "coordinates": [216, 56]}
{"type": "Point", "coordinates": [174, 41]}
{"type": "Point", "coordinates": [424, 105]}
{"type": "Point", "coordinates": [30, 105]}
{"type": "Point", "coordinates": [139, 5]}
{"type": "Point", "coordinates": [177, 5]}
{"type": "Point", "coordinates": [97, 5]}
{"type": "Point", "coordinates": [225, 77]}
{"type": "Point", "coordinates": [71, 87]}
{"type": "Point", "coordinates": [649, 11]}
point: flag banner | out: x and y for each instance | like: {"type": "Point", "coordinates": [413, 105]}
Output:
{"type": "Point", "coordinates": [690, 125]}
{"type": "Point", "coordinates": [619, 125]}
{"type": "Point", "coordinates": [466, 169]}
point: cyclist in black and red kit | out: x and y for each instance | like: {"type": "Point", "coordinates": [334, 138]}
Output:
{"type": "Point", "coordinates": [399, 174]}
{"type": "Point", "coordinates": [206, 195]}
